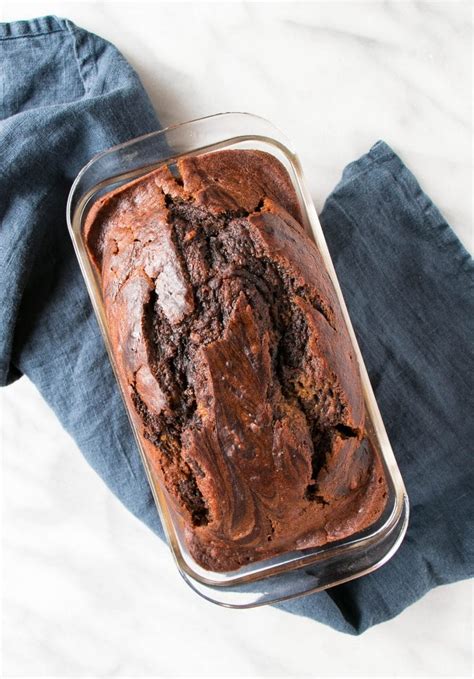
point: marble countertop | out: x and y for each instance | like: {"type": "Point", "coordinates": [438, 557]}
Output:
{"type": "Point", "coordinates": [87, 589]}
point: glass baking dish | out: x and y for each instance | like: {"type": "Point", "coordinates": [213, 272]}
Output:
{"type": "Point", "coordinates": [290, 574]}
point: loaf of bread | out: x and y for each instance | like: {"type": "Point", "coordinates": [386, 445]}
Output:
{"type": "Point", "coordinates": [235, 358]}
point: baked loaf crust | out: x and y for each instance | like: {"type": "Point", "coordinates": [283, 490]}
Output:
{"type": "Point", "coordinates": [235, 359]}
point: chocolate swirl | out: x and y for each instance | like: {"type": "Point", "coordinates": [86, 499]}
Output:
{"type": "Point", "coordinates": [233, 351]}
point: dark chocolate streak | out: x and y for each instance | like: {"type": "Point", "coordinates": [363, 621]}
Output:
{"type": "Point", "coordinates": [219, 246]}
{"type": "Point", "coordinates": [239, 368]}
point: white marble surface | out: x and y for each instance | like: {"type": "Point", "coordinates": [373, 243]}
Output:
{"type": "Point", "coordinates": [87, 590]}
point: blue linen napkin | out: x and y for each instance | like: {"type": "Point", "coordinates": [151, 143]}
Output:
{"type": "Point", "coordinates": [409, 286]}
{"type": "Point", "coordinates": [408, 283]}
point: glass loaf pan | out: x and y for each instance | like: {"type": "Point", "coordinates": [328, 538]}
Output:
{"type": "Point", "coordinates": [290, 574]}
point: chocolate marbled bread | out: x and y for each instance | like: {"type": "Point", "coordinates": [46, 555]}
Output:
{"type": "Point", "coordinates": [235, 358]}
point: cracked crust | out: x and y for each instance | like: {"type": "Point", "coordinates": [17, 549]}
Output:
{"type": "Point", "coordinates": [235, 359]}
